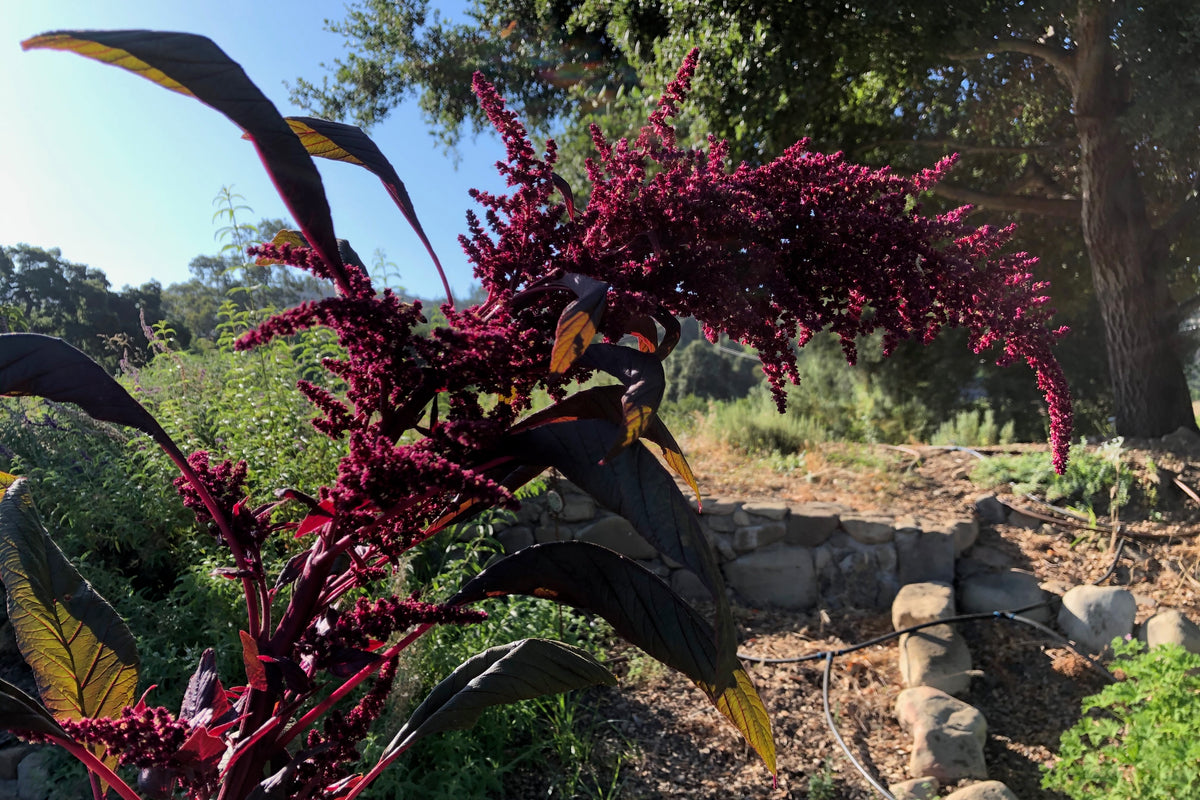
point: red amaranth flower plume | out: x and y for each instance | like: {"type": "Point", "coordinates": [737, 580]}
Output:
{"type": "Point", "coordinates": [766, 254]}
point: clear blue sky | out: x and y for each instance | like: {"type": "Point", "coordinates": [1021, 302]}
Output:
{"type": "Point", "coordinates": [120, 174]}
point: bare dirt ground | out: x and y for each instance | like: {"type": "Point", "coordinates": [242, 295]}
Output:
{"type": "Point", "coordinates": [675, 745]}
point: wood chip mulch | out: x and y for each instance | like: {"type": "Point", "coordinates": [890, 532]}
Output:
{"type": "Point", "coordinates": [658, 737]}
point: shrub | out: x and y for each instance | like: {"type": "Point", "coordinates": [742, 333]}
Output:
{"type": "Point", "coordinates": [435, 437]}
{"type": "Point", "coordinates": [973, 428]}
{"type": "Point", "coordinates": [1139, 738]}
{"type": "Point", "coordinates": [1097, 480]}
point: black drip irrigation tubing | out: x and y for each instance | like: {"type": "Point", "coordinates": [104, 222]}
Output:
{"type": "Point", "coordinates": [829, 655]}
{"type": "Point", "coordinates": [1013, 616]}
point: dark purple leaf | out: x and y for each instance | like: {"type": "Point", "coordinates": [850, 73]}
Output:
{"type": "Point", "coordinates": [644, 381]}
{"type": "Point", "coordinates": [204, 701]}
{"type": "Point", "coordinates": [194, 66]}
{"type": "Point", "coordinates": [34, 365]}
{"type": "Point", "coordinates": [641, 608]}
{"type": "Point", "coordinates": [604, 402]}
{"type": "Point", "coordinates": [21, 713]}
{"type": "Point", "coordinates": [564, 189]}
{"type": "Point", "coordinates": [506, 674]}
{"type": "Point", "coordinates": [341, 142]}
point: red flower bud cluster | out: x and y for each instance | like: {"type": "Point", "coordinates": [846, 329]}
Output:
{"type": "Point", "coordinates": [766, 254]}
{"type": "Point", "coordinates": [226, 482]}
{"type": "Point", "coordinates": [335, 745]}
{"type": "Point", "coordinates": [144, 736]}
{"type": "Point", "coordinates": [373, 621]}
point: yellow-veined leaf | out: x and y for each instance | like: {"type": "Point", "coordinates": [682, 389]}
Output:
{"type": "Point", "coordinates": [340, 142]}
{"type": "Point", "coordinates": [6, 481]}
{"type": "Point", "coordinates": [741, 705]}
{"type": "Point", "coordinates": [82, 654]}
{"type": "Point", "coordinates": [285, 236]}
{"type": "Point", "coordinates": [578, 322]}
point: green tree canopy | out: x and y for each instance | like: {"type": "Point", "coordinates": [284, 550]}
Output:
{"type": "Point", "coordinates": [44, 293]}
{"type": "Point", "coordinates": [1077, 117]}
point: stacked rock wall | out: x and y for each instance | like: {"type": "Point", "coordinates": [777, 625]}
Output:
{"type": "Point", "coordinates": [790, 555]}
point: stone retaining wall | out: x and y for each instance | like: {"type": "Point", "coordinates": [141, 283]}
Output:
{"type": "Point", "coordinates": [790, 555]}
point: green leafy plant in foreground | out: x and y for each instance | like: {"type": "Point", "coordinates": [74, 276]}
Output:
{"type": "Point", "coordinates": [1138, 738]}
{"type": "Point", "coordinates": [437, 429]}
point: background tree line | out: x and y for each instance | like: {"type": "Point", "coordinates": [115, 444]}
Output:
{"type": "Point", "coordinates": [42, 292]}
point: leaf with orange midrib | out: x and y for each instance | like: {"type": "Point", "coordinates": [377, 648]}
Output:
{"type": "Point", "coordinates": [195, 66]}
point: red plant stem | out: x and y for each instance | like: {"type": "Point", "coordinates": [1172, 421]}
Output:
{"type": "Point", "coordinates": [253, 596]}
{"type": "Point", "coordinates": [244, 745]}
{"type": "Point", "coordinates": [305, 597]}
{"type": "Point", "coordinates": [98, 768]}
{"type": "Point", "coordinates": [374, 772]}
{"type": "Point", "coordinates": [316, 711]}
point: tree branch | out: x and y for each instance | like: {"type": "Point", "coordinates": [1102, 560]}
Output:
{"type": "Point", "coordinates": [1066, 208]}
{"type": "Point", "coordinates": [1184, 214]}
{"type": "Point", "coordinates": [1063, 61]}
{"type": "Point", "coordinates": [973, 149]}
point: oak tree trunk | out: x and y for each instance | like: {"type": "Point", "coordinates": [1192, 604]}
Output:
{"type": "Point", "coordinates": [1150, 393]}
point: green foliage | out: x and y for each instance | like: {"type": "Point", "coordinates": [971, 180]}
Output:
{"type": "Point", "coordinates": [708, 371]}
{"type": "Point", "coordinates": [973, 429]}
{"type": "Point", "coordinates": [243, 405]}
{"type": "Point", "coordinates": [754, 425]}
{"type": "Point", "coordinates": [1097, 479]}
{"type": "Point", "coordinates": [106, 493]}
{"type": "Point", "coordinates": [832, 402]}
{"type": "Point", "coordinates": [41, 292]}
{"type": "Point", "coordinates": [474, 765]}
{"type": "Point", "coordinates": [1139, 738]}
{"type": "Point", "coordinates": [194, 308]}
{"type": "Point", "coordinates": [821, 784]}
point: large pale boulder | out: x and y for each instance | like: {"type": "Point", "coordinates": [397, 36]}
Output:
{"type": "Point", "coordinates": [1170, 626]}
{"type": "Point", "coordinates": [753, 537]}
{"type": "Point", "coordinates": [1095, 615]}
{"type": "Point", "coordinates": [917, 603]}
{"type": "Point", "coordinates": [937, 656]}
{"type": "Point", "coordinates": [869, 528]}
{"type": "Point", "coordinates": [948, 735]}
{"type": "Point", "coordinates": [778, 575]}
{"type": "Point", "coordinates": [811, 524]}
{"type": "Point", "coordinates": [1003, 591]}
{"type": "Point", "coordinates": [924, 556]}
{"type": "Point", "coordinates": [772, 511]}
{"type": "Point", "coordinates": [990, 510]}
{"type": "Point", "coordinates": [985, 790]}
{"type": "Point", "coordinates": [915, 789]}
{"type": "Point", "coordinates": [616, 533]}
